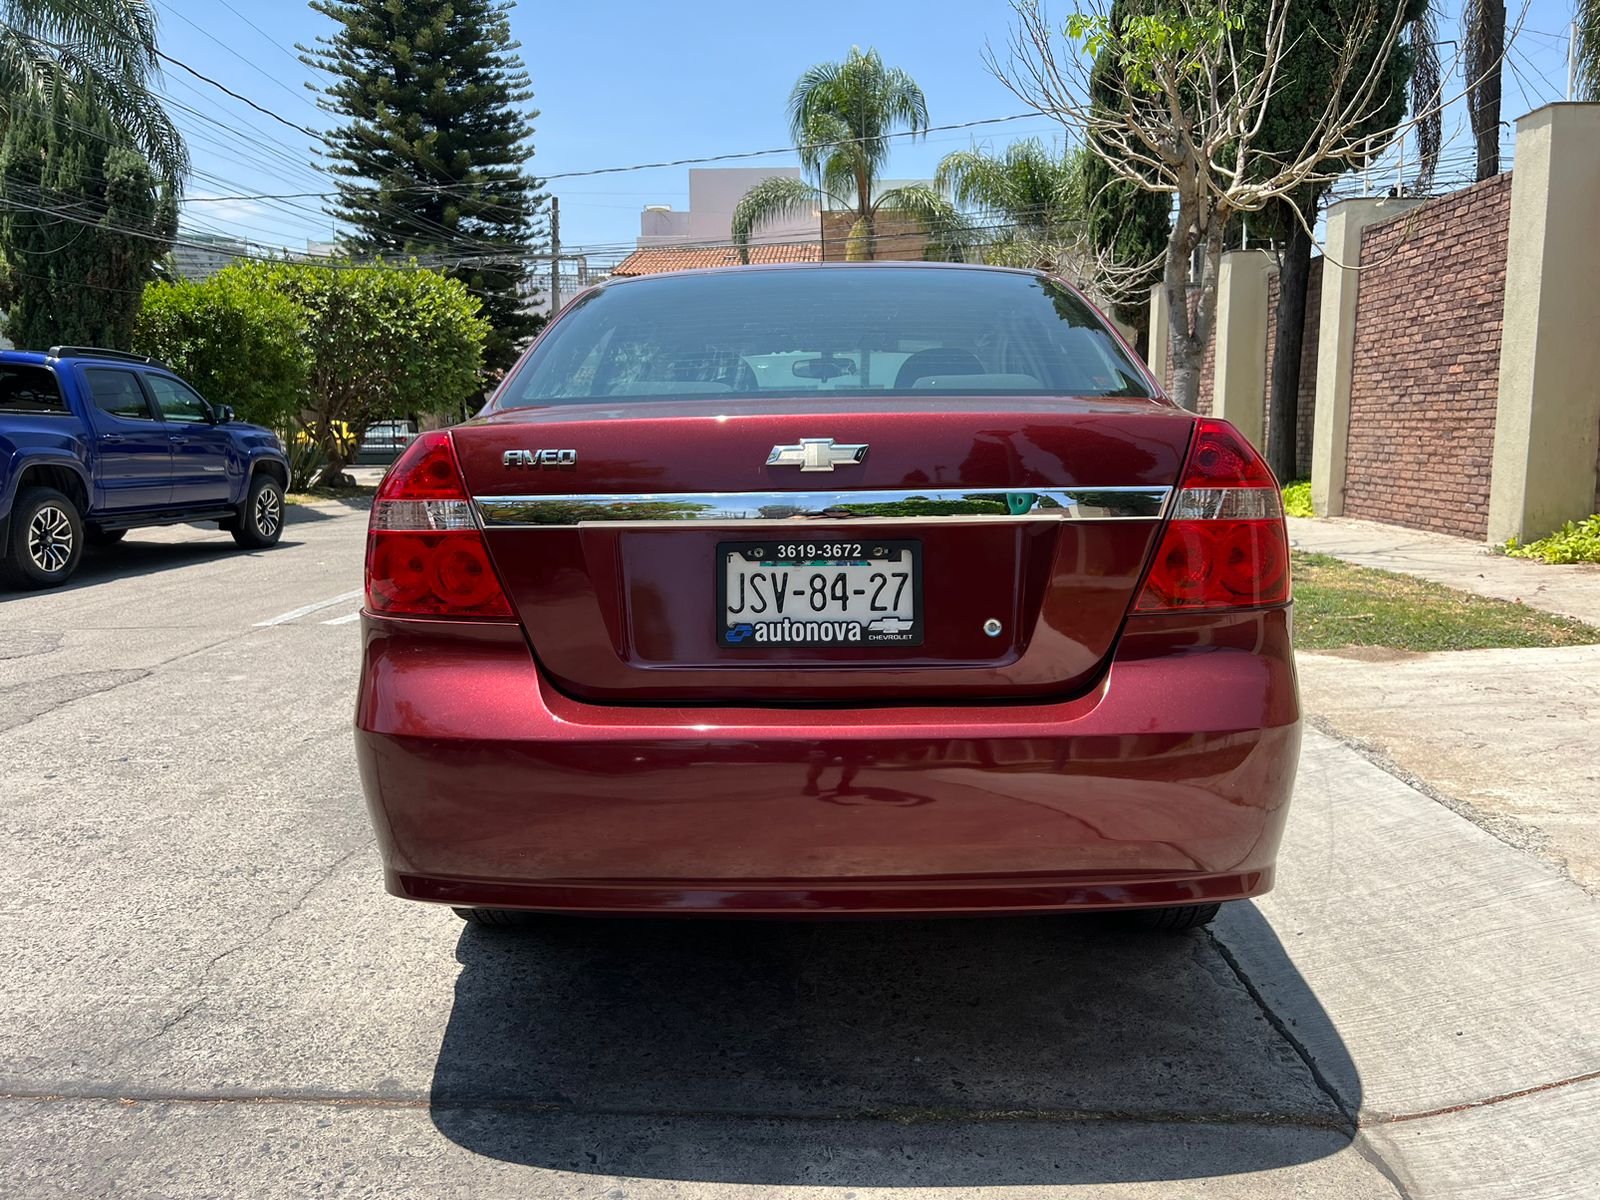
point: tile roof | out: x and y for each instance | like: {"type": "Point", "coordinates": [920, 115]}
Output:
{"type": "Point", "coordinates": [656, 259]}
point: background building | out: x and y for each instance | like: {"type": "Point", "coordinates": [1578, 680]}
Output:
{"type": "Point", "coordinates": [714, 192]}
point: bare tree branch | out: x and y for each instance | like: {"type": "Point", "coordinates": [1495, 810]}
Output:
{"type": "Point", "coordinates": [1189, 98]}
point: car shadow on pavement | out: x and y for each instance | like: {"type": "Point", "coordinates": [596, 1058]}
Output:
{"type": "Point", "coordinates": [316, 509]}
{"type": "Point", "coordinates": [1002, 1051]}
{"type": "Point", "coordinates": [130, 558]}
{"type": "Point", "coordinates": [300, 514]}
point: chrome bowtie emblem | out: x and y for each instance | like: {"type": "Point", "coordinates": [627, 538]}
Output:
{"type": "Point", "coordinates": [816, 454]}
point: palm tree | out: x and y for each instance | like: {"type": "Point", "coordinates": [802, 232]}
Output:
{"type": "Point", "coordinates": [102, 50]}
{"type": "Point", "coordinates": [1038, 195]}
{"type": "Point", "coordinates": [1423, 37]}
{"type": "Point", "coordinates": [1586, 50]}
{"type": "Point", "coordinates": [1483, 36]}
{"type": "Point", "coordinates": [1484, 29]}
{"type": "Point", "coordinates": [841, 116]}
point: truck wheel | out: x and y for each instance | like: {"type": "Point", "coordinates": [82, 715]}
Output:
{"type": "Point", "coordinates": [260, 522]}
{"type": "Point", "coordinates": [104, 537]}
{"type": "Point", "coordinates": [46, 539]}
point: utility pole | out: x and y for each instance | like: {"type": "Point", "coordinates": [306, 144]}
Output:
{"type": "Point", "coordinates": [555, 255]}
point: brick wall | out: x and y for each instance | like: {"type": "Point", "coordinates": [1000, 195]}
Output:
{"type": "Point", "coordinates": [895, 237]}
{"type": "Point", "coordinates": [1208, 364]}
{"type": "Point", "coordinates": [1427, 362]}
{"type": "Point", "coordinates": [1305, 413]}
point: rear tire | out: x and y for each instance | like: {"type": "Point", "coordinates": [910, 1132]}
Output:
{"type": "Point", "coordinates": [1178, 919]}
{"type": "Point", "coordinates": [104, 537]}
{"type": "Point", "coordinates": [500, 918]}
{"type": "Point", "coordinates": [46, 540]}
{"type": "Point", "coordinates": [260, 522]}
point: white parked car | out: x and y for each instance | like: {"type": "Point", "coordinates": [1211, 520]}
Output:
{"type": "Point", "coordinates": [384, 441]}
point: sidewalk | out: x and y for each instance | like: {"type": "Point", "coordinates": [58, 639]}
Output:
{"type": "Point", "coordinates": [1501, 736]}
{"type": "Point", "coordinates": [1468, 566]}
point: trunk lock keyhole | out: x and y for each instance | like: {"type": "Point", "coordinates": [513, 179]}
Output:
{"type": "Point", "coordinates": [992, 627]}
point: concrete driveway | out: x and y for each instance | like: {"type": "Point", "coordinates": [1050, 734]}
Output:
{"type": "Point", "coordinates": [207, 993]}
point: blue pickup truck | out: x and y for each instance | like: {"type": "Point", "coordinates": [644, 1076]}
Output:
{"type": "Point", "coordinates": [94, 443]}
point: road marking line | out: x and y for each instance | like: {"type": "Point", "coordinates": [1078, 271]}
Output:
{"type": "Point", "coordinates": [346, 619]}
{"type": "Point", "coordinates": [307, 609]}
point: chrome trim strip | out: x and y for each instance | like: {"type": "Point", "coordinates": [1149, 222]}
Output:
{"type": "Point", "coordinates": [745, 509]}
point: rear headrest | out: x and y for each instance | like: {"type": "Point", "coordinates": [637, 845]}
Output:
{"type": "Point", "coordinates": [943, 360]}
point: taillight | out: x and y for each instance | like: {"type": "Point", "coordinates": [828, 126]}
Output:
{"type": "Point", "coordinates": [425, 552]}
{"type": "Point", "coordinates": [1225, 546]}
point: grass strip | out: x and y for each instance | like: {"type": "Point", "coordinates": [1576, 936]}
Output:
{"type": "Point", "coordinates": [1337, 605]}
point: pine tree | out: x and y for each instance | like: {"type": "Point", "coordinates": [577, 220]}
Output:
{"type": "Point", "coordinates": [90, 220]}
{"type": "Point", "coordinates": [433, 149]}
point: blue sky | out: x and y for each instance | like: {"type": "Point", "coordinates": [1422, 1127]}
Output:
{"type": "Point", "coordinates": [619, 82]}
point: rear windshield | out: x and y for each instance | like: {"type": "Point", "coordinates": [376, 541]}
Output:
{"type": "Point", "coordinates": [29, 389]}
{"type": "Point", "coordinates": [746, 334]}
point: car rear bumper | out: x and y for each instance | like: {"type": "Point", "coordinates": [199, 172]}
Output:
{"type": "Point", "coordinates": [1166, 784]}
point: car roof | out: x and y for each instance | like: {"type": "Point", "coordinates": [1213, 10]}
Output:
{"type": "Point", "coordinates": [37, 358]}
{"type": "Point", "coordinates": [43, 358]}
{"type": "Point", "coordinates": [893, 265]}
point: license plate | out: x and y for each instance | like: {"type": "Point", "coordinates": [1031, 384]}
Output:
{"type": "Point", "coordinates": [819, 593]}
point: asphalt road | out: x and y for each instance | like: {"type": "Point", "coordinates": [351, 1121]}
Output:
{"type": "Point", "coordinates": [206, 992]}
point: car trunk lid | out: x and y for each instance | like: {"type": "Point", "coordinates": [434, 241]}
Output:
{"type": "Point", "coordinates": [1031, 519]}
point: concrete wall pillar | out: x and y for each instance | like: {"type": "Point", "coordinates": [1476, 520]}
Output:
{"type": "Point", "coordinates": [1547, 419]}
{"type": "Point", "coordinates": [1239, 386]}
{"type": "Point", "coordinates": [1336, 336]}
{"type": "Point", "coordinates": [1160, 330]}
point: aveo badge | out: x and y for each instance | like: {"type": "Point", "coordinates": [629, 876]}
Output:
{"type": "Point", "coordinates": [540, 458]}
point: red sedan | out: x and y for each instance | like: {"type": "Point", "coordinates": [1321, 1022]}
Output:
{"type": "Point", "coordinates": [826, 590]}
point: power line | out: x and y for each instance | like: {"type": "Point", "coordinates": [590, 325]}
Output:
{"type": "Point", "coordinates": [648, 166]}
{"type": "Point", "coordinates": [430, 232]}
{"type": "Point", "coordinates": [256, 67]}
{"type": "Point", "coordinates": [447, 189]}
{"type": "Point", "coordinates": [81, 211]}
{"type": "Point", "coordinates": [689, 162]}
{"type": "Point", "coordinates": [475, 189]}
{"type": "Point", "coordinates": [292, 159]}
{"type": "Point", "coordinates": [222, 87]}
{"type": "Point", "coordinates": [270, 40]}
{"type": "Point", "coordinates": [435, 262]}
{"type": "Point", "coordinates": [484, 251]}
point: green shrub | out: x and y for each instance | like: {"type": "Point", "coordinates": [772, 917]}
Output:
{"type": "Point", "coordinates": [380, 341]}
{"type": "Point", "coordinates": [1297, 499]}
{"type": "Point", "coordinates": [238, 344]}
{"type": "Point", "coordinates": [1574, 542]}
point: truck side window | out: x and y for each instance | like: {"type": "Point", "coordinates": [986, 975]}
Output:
{"type": "Point", "coordinates": [118, 393]}
{"type": "Point", "coordinates": [25, 389]}
{"type": "Point", "coordinates": [177, 401]}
